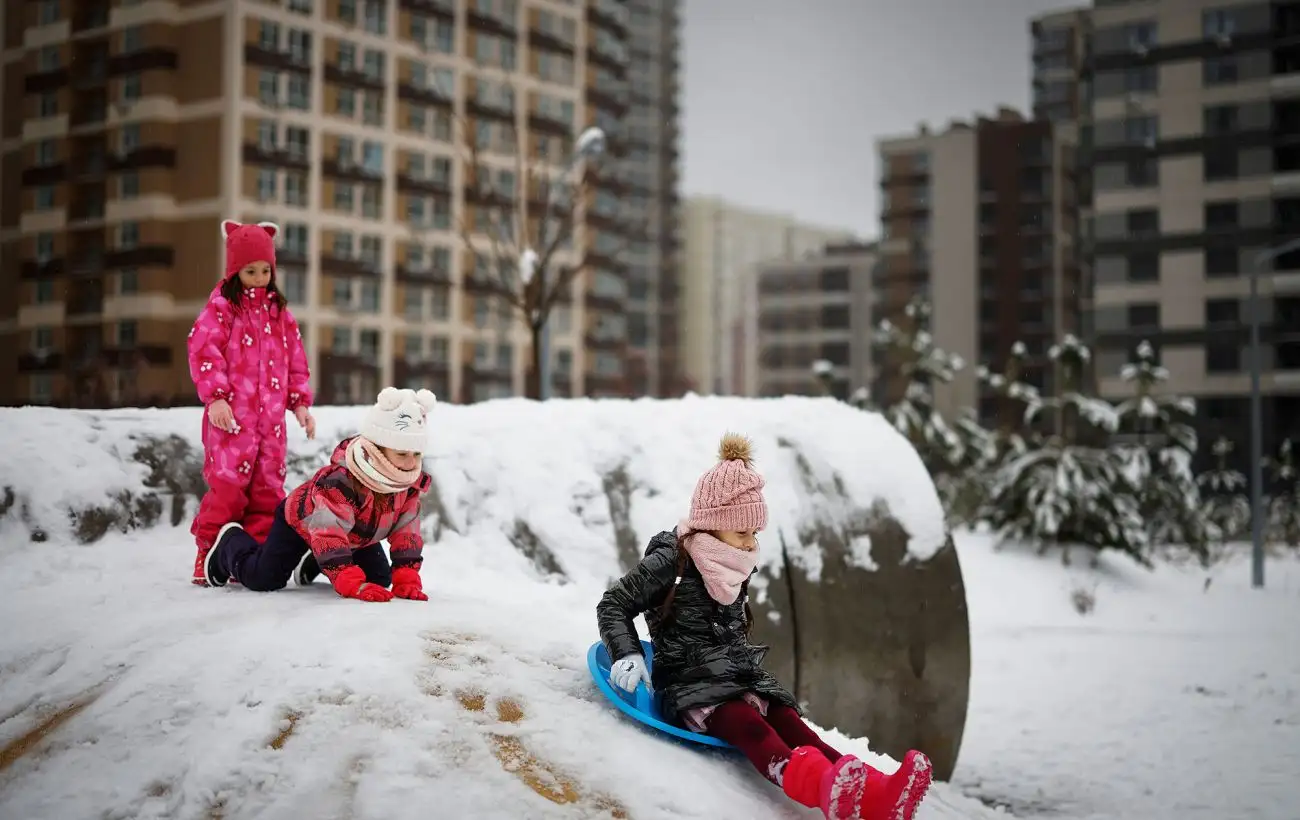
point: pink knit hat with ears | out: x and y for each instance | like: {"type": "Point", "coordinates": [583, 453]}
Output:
{"type": "Point", "coordinates": [246, 244]}
{"type": "Point", "coordinates": [729, 496]}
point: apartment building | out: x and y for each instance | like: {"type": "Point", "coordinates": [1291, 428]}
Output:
{"type": "Point", "coordinates": [1194, 145]}
{"type": "Point", "coordinates": [724, 244]}
{"type": "Point", "coordinates": [811, 309]}
{"type": "Point", "coordinates": [651, 175]}
{"type": "Point", "coordinates": [132, 128]}
{"type": "Point", "coordinates": [981, 219]}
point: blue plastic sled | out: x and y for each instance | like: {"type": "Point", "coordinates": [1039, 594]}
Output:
{"type": "Point", "coordinates": [640, 705]}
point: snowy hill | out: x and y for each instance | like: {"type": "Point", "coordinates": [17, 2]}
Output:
{"type": "Point", "coordinates": [127, 693]}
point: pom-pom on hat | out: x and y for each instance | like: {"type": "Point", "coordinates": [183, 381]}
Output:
{"type": "Point", "coordinates": [397, 421]}
{"type": "Point", "coordinates": [730, 496]}
{"type": "Point", "coordinates": [246, 244]}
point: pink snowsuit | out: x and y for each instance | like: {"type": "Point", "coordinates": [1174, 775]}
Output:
{"type": "Point", "coordinates": [251, 355]}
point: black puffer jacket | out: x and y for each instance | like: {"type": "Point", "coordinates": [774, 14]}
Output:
{"type": "Point", "coordinates": [701, 656]}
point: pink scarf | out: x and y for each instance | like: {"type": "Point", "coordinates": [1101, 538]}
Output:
{"type": "Point", "coordinates": [724, 568]}
{"type": "Point", "coordinates": [366, 463]}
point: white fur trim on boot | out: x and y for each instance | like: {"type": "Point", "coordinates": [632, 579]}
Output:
{"type": "Point", "coordinates": [397, 420]}
{"type": "Point", "coordinates": [208, 575]}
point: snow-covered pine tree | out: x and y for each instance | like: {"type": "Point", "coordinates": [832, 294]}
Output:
{"type": "Point", "coordinates": [1157, 444]}
{"type": "Point", "coordinates": [1068, 491]}
{"type": "Point", "coordinates": [1282, 523]}
{"type": "Point", "coordinates": [1011, 438]}
{"type": "Point", "coordinates": [920, 364]}
{"type": "Point", "coordinates": [1223, 491]}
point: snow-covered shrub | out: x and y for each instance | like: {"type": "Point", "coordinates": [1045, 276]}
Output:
{"type": "Point", "coordinates": [1066, 491]}
{"type": "Point", "coordinates": [1156, 444]}
{"type": "Point", "coordinates": [1223, 490]}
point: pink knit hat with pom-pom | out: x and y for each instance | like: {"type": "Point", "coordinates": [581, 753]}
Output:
{"type": "Point", "coordinates": [729, 496]}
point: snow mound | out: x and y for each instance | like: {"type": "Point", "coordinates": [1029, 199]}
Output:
{"type": "Point", "coordinates": [511, 470]}
{"type": "Point", "coordinates": [129, 693]}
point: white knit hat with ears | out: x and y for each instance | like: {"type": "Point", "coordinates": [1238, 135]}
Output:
{"type": "Point", "coordinates": [397, 421]}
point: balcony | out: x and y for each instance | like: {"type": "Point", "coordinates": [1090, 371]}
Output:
{"type": "Point", "coordinates": [86, 211]}
{"type": "Point", "coordinates": [545, 41]}
{"type": "Point", "coordinates": [492, 24]}
{"type": "Point", "coordinates": [423, 95]}
{"type": "Point", "coordinates": [445, 9]}
{"type": "Point", "coordinates": [257, 55]}
{"type": "Point", "coordinates": [89, 15]}
{"type": "Point", "coordinates": [88, 262]}
{"type": "Point", "coordinates": [353, 77]}
{"type": "Point", "coordinates": [348, 265]}
{"type": "Point", "coordinates": [276, 155]}
{"type": "Point", "coordinates": [40, 361]}
{"type": "Point", "coordinates": [422, 274]}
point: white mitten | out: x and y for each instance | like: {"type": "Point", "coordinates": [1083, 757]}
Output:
{"type": "Point", "coordinates": [627, 672]}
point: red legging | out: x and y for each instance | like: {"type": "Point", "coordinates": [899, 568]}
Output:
{"type": "Point", "coordinates": [766, 741]}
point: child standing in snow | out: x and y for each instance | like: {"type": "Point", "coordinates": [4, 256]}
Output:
{"type": "Point", "coordinates": [369, 491]}
{"type": "Point", "coordinates": [692, 585]}
{"type": "Point", "coordinates": [247, 361]}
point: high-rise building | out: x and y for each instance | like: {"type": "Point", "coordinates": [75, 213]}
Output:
{"type": "Point", "coordinates": [724, 243]}
{"type": "Point", "coordinates": [651, 178]}
{"type": "Point", "coordinates": [131, 129]}
{"type": "Point", "coordinates": [1190, 131]}
{"type": "Point", "coordinates": [816, 308]}
{"type": "Point", "coordinates": [982, 220]}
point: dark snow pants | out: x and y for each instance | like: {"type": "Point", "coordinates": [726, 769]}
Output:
{"type": "Point", "coordinates": [268, 566]}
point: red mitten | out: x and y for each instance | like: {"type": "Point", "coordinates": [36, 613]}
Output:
{"type": "Point", "coordinates": [407, 584]}
{"type": "Point", "coordinates": [350, 582]}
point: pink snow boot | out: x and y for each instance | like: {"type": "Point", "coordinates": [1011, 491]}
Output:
{"type": "Point", "coordinates": [896, 796]}
{"type": "Point", "coordinates": [843, 787]}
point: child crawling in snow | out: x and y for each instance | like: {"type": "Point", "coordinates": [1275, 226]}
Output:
{"type": "Point", "coordinates": [692, 585]}
{"type": "Point", "coordinates": [334, 523]}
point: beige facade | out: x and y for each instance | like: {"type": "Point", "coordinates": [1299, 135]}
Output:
{"type": "Point", "coordinates": [131, 130]}
{"type": "Point", "coordinates": [980, 219]}
{"type": "Point", "coordinates": [724, 244]}
{"type": "Point", "coordinates": [814, 312]}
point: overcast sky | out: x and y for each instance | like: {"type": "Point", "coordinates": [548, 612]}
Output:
{"type": "Point", "coordinates": [783, 99]}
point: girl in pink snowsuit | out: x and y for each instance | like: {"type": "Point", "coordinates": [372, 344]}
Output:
{"type": "Point", "coordinates": [248, 363]}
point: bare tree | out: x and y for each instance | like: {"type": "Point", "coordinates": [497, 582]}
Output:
{"type": "Point", "coordinates": [527, 228]}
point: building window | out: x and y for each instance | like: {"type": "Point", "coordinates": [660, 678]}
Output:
{"type": "Point", "coordinates": [294, 283]}
{"type": "Point", "coordinates": [1144, 267]}
{"type": "Point", "coordinates": [49, 104]}
{"type": "Point", "coordinates": [1221, 261]}
{"type": "Point", "coordinates": [128, 282]}
{"type": "Point", "coordinates": [376, 17]}
{"type": "Point", "coordinates": [300, 46]}
{"type": "Point", "coordinates": [1217, 23]}
{"type": "Point", "coordinates": [300, 6]}
{"type": "Point", "coordinates": [132, 39]}
{"type": "Point", "coordinates": [126, 334]}
{"type": "Point", "coordinates": [128, 139]}
{"type": "Point", "coordinates": [299, 91]}
{"type": "Point", "coordinates": [372, 108]}
{"type": "Point", "coordinates": [1142, 173]}
{"type": "Point", "coordinates": [268, 88]}
{"type": "Point", "coordinates": [1220, 216]}
{"type": "Point", "coordinates": [131, 88]}
{"type": "Point", "coordinates": [48, 59]}
{"type": "Point", "coordinates": [1144, 316]}
{"type": "Point", "coordinates": [370, 196]}
{"type": "Point", "coordinates": [1219, 119]}
{"type": "Point", "coordinates": [44, 197]}
{"type": "Point", "coordinates": [1222, 357]}
{"type": "Point", "coordinates": [128, 235]}
{"type": "Point", "coordinates": [1219, 69]}
{"type": "Point", "coordinates": [1220, 163]}
{"type": "Point", "coordinates": [266, 184]}
{"type": "Point", "coordinates": [44, 291]}
{"type": "Point", "coordinates": [47, 152]}
{"type": "Point", "coordinates": [1222, 312]}
{"type": "Point", "coordinates": [44, 247]}
{"type": "Point", "coordinates": [1141, 80]}
{"type": "Point", "coordinates": [1143, 222]}
{"type": "Point", "coordinates": [345, 103]}
{"type": "Point", "coordinates": [128, 185]}
{"type": "Point", "coordinates": [343, 197]}
{"type": "Point", "coordinates": [47, 12]}
{"type": "Point", "coordinates": [295, 238]}
{"type": "Point", "coordinates": [295, 189]}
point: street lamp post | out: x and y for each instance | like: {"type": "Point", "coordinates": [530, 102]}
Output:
{"type": "Point", "coordinates": [1256, 416]}
{"type": "Point", "coordinates": [590, 145]}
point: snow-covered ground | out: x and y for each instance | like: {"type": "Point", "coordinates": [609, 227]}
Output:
{"type": "Point", "coordinates": [127, 693]}
{"type": "Point", "coordinates": [1170, 699]}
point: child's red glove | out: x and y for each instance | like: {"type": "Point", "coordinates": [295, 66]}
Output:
{"type": "Point", "coordinates": [351, 583]}
{"type": "Point", "coordinates": [407, 584]}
